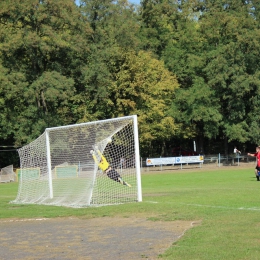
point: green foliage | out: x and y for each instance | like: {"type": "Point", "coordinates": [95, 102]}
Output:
{"type": "Point", "coordinates": [158, 19]}
{"type": "Point", "coordinates": [188, 69]}
{"type": "Point", "coordinates": [230, 69]}
{"type": "Point", "coordinates": [198, 108]}
{"type": "Point", "coordinates": [112, 36]}
{"type": "Point", "coordinates": [144, 87]}
{"type": "Point", "coordinates": [41, 48]}
{"type": "Point", "coordinates": [215, 59]}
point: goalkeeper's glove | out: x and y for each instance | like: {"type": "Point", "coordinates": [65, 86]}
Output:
{"type": "Point", "coordinates": [91, 152]}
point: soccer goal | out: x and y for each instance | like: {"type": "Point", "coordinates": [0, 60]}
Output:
{"type": "Point", "coordinates": [58, 168]}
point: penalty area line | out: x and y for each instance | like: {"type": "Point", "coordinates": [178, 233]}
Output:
{"type": "Point", "coordinates": [24, 220]}
{"type": "Point", "coordinates": [223, 207]}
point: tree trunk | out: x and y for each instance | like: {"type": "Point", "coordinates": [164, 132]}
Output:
{"type": "Point", "coordinates": [200, 144]}
{"type": "Point", "coordinates": [226, 146]}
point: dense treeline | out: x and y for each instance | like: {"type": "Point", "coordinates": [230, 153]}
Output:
{"type": "Point", "coordinates": [189, 69]}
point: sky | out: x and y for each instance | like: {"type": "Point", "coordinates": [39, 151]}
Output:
{"type": "Point", "coordinates": [134, 1]}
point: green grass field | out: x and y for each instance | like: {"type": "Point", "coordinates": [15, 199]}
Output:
{"type": "Point", "coordinates": [226, 201]}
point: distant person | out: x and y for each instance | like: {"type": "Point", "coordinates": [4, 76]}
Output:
{"type": "Point", "coordinates": [122, 163]}
{"type": "Point", "coordinates": [236, 151]}
{"type": "Point", "coordinates": [257, 155]}
{"type": "Point", "coordinates": [106, 168]}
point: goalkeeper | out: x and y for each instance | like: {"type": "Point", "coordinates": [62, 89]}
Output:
{"type": "Point", "coordinates": [106, 168]}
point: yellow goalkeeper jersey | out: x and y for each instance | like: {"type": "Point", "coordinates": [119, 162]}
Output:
{"type": "Point", "coordinates": [103, 164]}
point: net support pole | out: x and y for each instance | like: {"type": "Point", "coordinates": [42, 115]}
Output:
{"type": "Point", "coordinates": [137, 160]}
{"type": "Point", "coordinates": [49, 163]}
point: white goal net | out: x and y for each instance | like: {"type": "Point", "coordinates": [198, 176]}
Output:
{"type": "Point", "coordinates": [88, 164]}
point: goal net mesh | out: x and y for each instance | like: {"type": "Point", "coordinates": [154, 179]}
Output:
{"type": "Point", "coordinates": [58, 168]}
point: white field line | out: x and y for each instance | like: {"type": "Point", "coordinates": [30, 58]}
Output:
{"type": "Point", "coordinates": [28, 219]}
{"type": "Point", "coordinates": [223, 207]}
{"type": "Point", "coordinates": [23, 220]}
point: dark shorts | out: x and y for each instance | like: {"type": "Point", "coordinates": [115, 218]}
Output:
{"type": "Point", "coordinates": [113, 174]}
{"type": "Point", "coordinates": [258, 168]}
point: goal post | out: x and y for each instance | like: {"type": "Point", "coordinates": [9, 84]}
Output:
{"type": "Point", "coordinates": [67, 159]}
{"type": "Point", "coordinates": [137, 160]}
{"type": "Point", "coordinates": [48, 158]}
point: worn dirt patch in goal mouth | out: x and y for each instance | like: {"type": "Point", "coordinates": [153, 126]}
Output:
{"type": "Point", "coordinates": [93, 239]}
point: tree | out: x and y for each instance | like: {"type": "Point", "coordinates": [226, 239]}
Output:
{"type": "Point", "coordinates": [158, 24]}
{"type": "Point", "coordinates": [144, 87]}
{"type": "Point", "coordinates": [115, 31]}
{"type": "Point", "coordinates": [232, 70]}
{"type": "Point", "coordinates": [216, 58]}
{"type": "Point", "coordinates": [43, 46]}
{"type": "Point", "coordinates": [120, 80]}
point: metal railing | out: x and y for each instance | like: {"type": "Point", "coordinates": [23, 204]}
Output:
{"type": "Point", "coordinates": [212, 160]}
